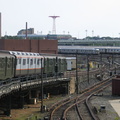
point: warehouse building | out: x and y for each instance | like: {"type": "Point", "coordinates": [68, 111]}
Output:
{"type": "Point", "coordinates": [26, 45]}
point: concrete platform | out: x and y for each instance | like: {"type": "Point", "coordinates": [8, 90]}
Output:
{"type": "Point", "coordinates": [116, 105]}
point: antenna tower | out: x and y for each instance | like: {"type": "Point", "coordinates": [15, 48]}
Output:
{"type": "Point", "coordinates": [54, 26]}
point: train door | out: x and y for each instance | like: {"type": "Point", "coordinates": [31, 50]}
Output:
{"type": "Point", "coordinates": [20, 62]}
{"type": "Point", "coordinates": [24, 69]}
{"type": "Point", "coordinates": [18, 66]}
{"type": "Point", "coordinates": [9, 69]}
{"type": "Point", "coordinates": [28, 67]}
{"type": "Point", "coordinates": [6, 64]}
{"type": "Point", "coordinates": [35, 66]}
{"type": "Point", "coordinates": [12, 66]}
{"type": "Point", "coordinates": [31, 66]}
{"type": "Point", "coordinates": [2, 68]}
{"type": "Point", "coordinates": [45, 65]}
{"type": "Point", "coordinates": [54, 63]}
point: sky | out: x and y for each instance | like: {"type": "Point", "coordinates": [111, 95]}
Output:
{"type": "Point", "coordinates": [80, 18]}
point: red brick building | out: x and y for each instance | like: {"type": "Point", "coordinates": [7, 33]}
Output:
{"type": "Point", "coordinates": [38, 46]}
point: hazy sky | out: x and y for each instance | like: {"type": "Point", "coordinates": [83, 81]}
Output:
{"type": "Point", "coordinates": [76, 16]}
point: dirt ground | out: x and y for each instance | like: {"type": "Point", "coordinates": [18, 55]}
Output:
{"type": "Point", "coordinates": [33, 111]}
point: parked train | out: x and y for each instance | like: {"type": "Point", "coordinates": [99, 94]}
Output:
{"type": "Point", "coordinates": [109, 49]}
{"type": "Point", "coordinates": [77, 49]}
{"type": "Point", "coordinates": [16, 64]}
{"type": "Point", "coordinates": [88, 49]}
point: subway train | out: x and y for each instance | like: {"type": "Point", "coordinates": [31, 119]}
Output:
{"type": "Point", "coordinates": [14, 64]}
{"type": "Point", "coordinates": [83, 50]}
{"type": "Point", "coordinates": [109, 49]}
{"type": "Point", "coordinates": [88, 49]}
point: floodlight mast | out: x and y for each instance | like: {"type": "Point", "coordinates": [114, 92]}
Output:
{"type": "Point", "coordinates": [54, 26]}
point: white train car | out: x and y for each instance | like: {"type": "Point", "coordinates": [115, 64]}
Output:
{"type": "Point", "coordinates": [27, 63]}
{"type": "Point", "coordinates": [77, 50]}
{"type": "Point", "coordinates": [108, 49]}
{"type": "Point", "coordinates": [71, 63]}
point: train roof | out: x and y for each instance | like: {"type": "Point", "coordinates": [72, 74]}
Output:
{"type": "Point", "coordinates": [88, 47]}
{"type": "Point", "coordinates": [75, 47]}
{"type": "Point", "coordinates": [24, 53]}
{"type": "Point", "coordinates": [71, 58]}
{"type": "Point", "coordinates": [5, 53]}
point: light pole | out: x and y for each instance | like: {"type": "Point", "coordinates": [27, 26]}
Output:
{"type": "Point", "coordinates": [101, 66]}
{"type": "Point", "coordinates": [77, 91]}
{"type": "Point", "coordinates": [41, 85]}
{"type": "Point", "coordinates": [86, 33]}
{"type": "Point", "coordinates": [92, 33]}
{"type": "Point", "coordinates": [88, 67]}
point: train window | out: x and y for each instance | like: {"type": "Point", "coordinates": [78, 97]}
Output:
{"type": "Point", "coordinates": [51, 62]}
{"type": "Point", "coordinates": [1, 63]}
{"type": "Point", "coordinates": [31, 62]}
{"type": "Point", "coordinates": [35, 61]}
{"type": "Point", "coordinates": [14, 53]}
{"type": "Point", "coordinates": [38, 61]}
{"type": "Point", "coordinates": [27, 60]}
{"type": "Point", "coordinates": [19, 60]}
{"type": "Point", "coordinates": [45, 61]}
{"type": "Point", "coordinates": [24, 61]}
{"type": "Point", "coordinates": [8, 64]}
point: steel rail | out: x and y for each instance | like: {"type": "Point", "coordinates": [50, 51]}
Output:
{"type": "Point", "coordinates": [87, 99]}
{"type": "Point", "coordinates": [65, 112]}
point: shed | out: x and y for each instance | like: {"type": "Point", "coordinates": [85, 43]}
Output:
{"type": "Point", "coordinates": [116, 86]}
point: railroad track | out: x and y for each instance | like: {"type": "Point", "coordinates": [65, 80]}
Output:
{"type": "Point", "coordinates": [77, 106]}
{"type": "Point", "coordinates": [73, 73]}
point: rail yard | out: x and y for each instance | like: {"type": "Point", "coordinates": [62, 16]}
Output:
{"type": "Point", "coordinates": [79, 87]}
{"type": "Point", "coordinates": [69, 72]}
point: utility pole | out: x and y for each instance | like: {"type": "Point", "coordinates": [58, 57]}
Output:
{"type": "Point", "coordinates": [101, 66]}
{"type": "Point", "coordinates": [88, 67]}
{"type": "Point", "coordinates": [77, 91]}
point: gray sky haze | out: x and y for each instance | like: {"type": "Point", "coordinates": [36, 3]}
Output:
{"type": "Point", "coordinates": [76, 16]}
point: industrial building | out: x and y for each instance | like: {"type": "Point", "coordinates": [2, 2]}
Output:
{"type": "Point", "coordinates": [85, 42]}
{"type": "Point", "coordinates": [26, 45]}
{"type": "Point", "coordinates": [23, 31]}
{"type": "Point", "coordinates": [48, 36]}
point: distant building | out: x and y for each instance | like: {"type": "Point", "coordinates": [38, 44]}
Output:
{"type": "Point", "coordinates": [48, 36]}
{"type": "Point", "coordinates": [23, 31]}
{"type": "Point", "coordinates": [59, 36]}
